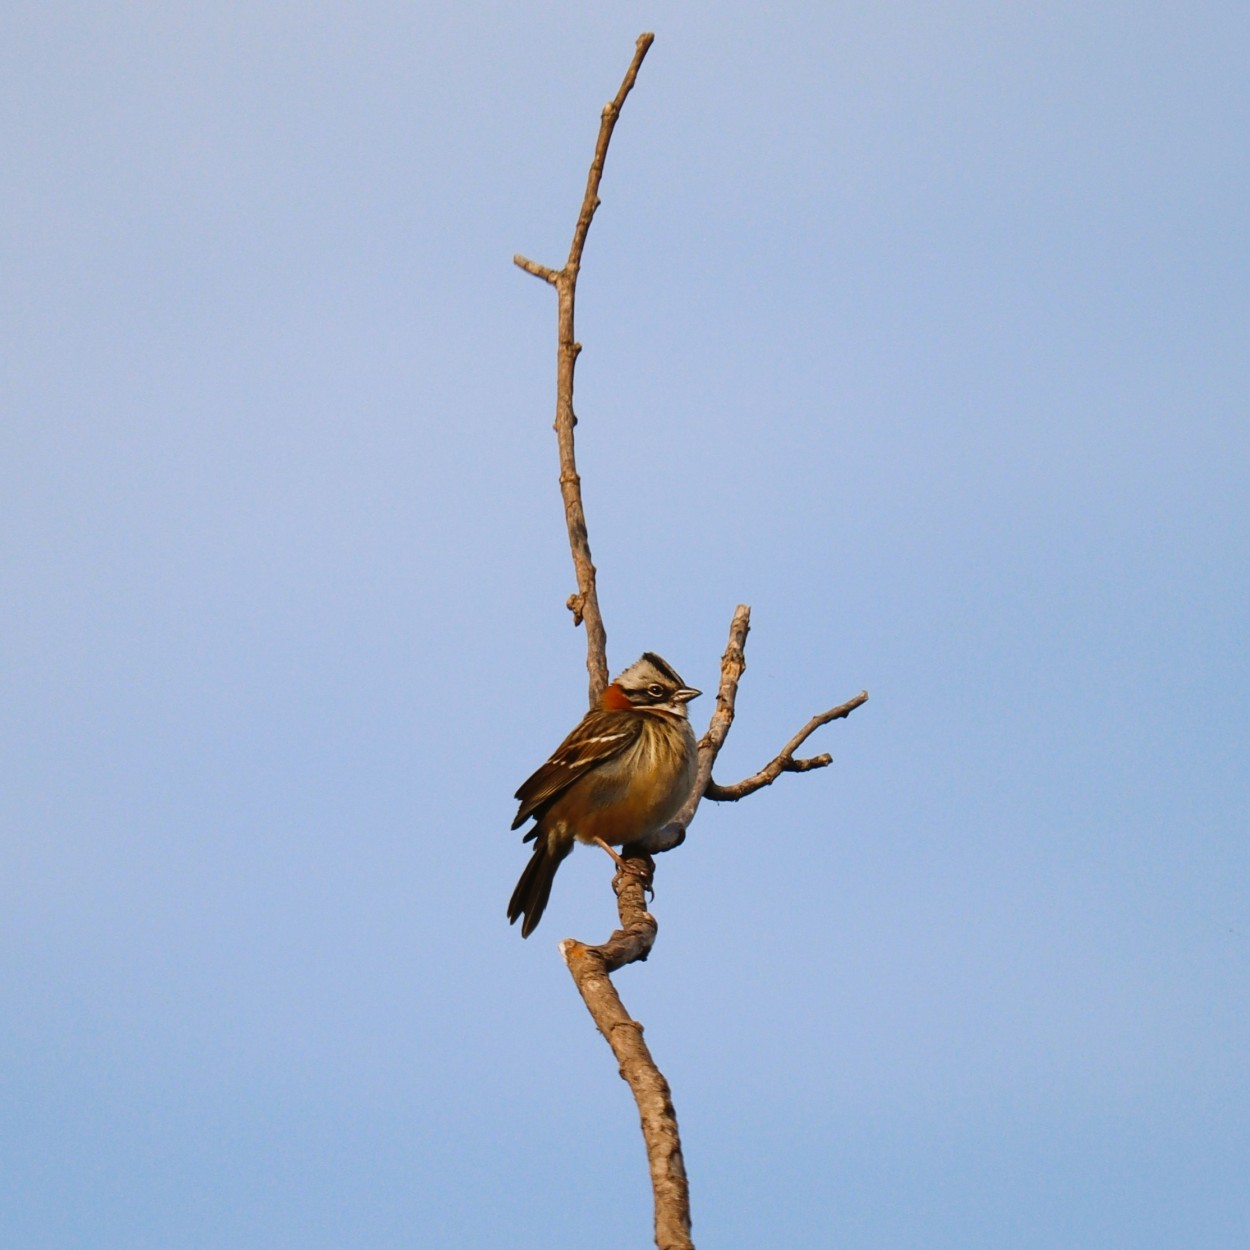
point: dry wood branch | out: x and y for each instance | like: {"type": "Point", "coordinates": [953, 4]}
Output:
{"type": "Point", "coordinates": [585, 604]}
{"type": "Point", "coordinates": [784, 761]}
{"type": "Point", "coordinates": [539, 271]}
{"type": "Point", "coordinates": [732, 665]}
{"type": "Point", "coordinates": [589, 967]}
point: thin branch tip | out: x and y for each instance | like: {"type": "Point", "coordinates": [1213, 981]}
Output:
{"type": "Point", "coordinates": [784, 761]}
{"type": "Point", "coordinates": [539, 271]}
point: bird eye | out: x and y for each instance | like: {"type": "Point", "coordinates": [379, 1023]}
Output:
{"type": "Point", "coordinates": [655, 690]}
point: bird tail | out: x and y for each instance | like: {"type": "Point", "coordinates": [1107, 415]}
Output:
{"type": "Point", "coordinates": [529, 899]}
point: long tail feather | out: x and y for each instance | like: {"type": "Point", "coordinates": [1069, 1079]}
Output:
{"type": "Point", "coordinates": [529, 899]}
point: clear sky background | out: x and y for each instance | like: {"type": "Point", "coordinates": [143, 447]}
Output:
{"type": "Point", "coordinates": [922, 328]}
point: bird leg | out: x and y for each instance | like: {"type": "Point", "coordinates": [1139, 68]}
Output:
{"type": "Point", "coordinates": [620, 863]}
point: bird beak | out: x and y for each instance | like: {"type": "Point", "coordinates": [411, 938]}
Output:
{"type": "Point", "coordinates": [686, 693]}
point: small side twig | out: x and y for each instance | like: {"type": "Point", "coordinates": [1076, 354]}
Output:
{"type": "Point", "coordinates": [732, 666]}
{"type": "Point", "coordinates": [585, 604]}
{"type": "Point", "coordinates": [784, 761]}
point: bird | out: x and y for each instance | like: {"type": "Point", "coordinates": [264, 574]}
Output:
{"type": "Point", "coordinates": [624, 771]}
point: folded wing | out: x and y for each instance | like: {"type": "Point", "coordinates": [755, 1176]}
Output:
{"type": "Point", "coordinates": [600, 736]}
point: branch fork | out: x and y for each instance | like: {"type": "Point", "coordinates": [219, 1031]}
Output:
{"type": "Point", "coordinates": [589, 965]}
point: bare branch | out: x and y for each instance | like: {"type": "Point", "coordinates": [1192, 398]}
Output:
{"type": "Point", "coordinates": [539, 271]}
{"type": "Point", "coordinates": [589, 967]}
{"type": "Point", "coordinates": [732, 665]}
{"type": "Point", "coordinates": [585, 604]}
{"type": "Point", "coordinates": [785, 762]}
{"type": "Point", "coordinates": [611, 111]}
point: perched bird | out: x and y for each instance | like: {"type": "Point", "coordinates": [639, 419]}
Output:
{"type": "Point", "coordinates": [624, 772]}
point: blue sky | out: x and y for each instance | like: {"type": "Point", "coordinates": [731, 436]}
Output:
{"type": "Point", "coordinates": [920, 328]}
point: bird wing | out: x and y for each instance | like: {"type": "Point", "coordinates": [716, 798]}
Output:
{"type": "Point", "coordinates": [600, 736]}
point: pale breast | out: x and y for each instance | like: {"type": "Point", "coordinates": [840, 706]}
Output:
{"type": "Point", "coordinates": [633, 795]}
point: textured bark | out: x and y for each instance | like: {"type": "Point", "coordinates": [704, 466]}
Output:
{"type": "Point", "coordinates": [589, 965]}
{"type": "Point", "coordinates": [585, 603]}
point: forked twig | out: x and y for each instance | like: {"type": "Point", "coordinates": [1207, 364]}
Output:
{"type": "Point", "coordinates": [784, 761]}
